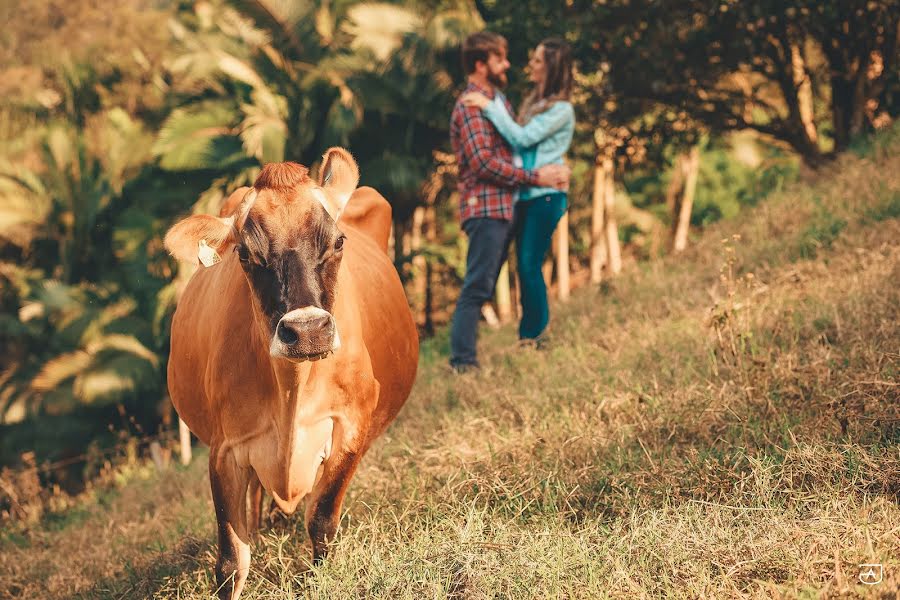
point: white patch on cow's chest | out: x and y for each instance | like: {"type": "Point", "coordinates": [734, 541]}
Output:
{"type": "Point", "coordinates": [311, 447]}
{"type": "Point", "coordinates": [289, 469]}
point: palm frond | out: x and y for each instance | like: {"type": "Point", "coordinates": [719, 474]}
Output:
{"type": "Point", "coordinates": [121, 145]}
{"type": "Point", "coordinates": [125, 344]}
{"type": "Point", "coordinates": [24, 205]}
{"type": "Point", "coordinates": [199, 136]}
{"type": "Point", "coordinates": [234, 24]}
{"type": "Point", "coordinates": [343, 118]}
{"type": "Point", "coordinates": [58, 371]}
{"type": "Point", "coordinates": [448, 29]}
{"type": "Point", "coordinates": [239, 70]}
{"type": "Point", "coordinates": [287, 21]}
{"type": "Point", "coordinates": [101, 318]}
{"type": "Point", "coordinates": [264, 131]}
{"type": "Point", "coordinates": [379, 27]}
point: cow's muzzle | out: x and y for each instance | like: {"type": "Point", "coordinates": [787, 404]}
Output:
{"type": "Point", "coordinates": [303, 334]}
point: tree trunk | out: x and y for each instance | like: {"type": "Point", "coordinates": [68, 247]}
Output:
{"type": "Point", "coordinates": [691, 169]}
{"type": "Point", "coordinates": [860, 95]}
{"type": "Point", "coordinates": [402, 244]}
{"type": "Point", "coordinates": [598, 247]}
{"type": "Point", "coordinates": [418, 265]}
{"type": "Point", "coordinates": [430, 237]}
{"type": "Point", "coordinates": [804, 94]}
{"type": "Point", "coordinates": [675, 191]}
{"type": "Point", "coordinates": [562, 257]}
{"type": "Point", "coordinates": [612, 231]}
{"type": "Point", "coordinates": [792, 79]}
{"type": "Point", "coordinates": [849, 89]}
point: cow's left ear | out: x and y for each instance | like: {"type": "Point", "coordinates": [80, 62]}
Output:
{"type": "Point", "coordinates": [190, 238]}
{"type": "Point", "coordinates": [339, 176]}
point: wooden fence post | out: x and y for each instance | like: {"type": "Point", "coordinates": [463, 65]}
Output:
{"type": "Point", "coordinates": [598, 246]}
{"type": "Point", "coordinates": [614, 252]}
{"type": "Point", "coordinates": [504, 295]}
{"type": "Point", "coordinates": [691, 168]}
{"type": "Point", "coordinates": [562, 257]}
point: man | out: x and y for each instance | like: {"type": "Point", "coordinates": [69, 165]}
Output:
{"type": "Point", "coordinates": [487, 183]}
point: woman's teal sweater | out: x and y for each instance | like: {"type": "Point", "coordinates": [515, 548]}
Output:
{"type": "Point", "coordinates": [544, 140]}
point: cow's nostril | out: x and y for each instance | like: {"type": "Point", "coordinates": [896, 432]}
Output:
{"type": "Point", "coordinates": [287, 335]}
{"type": "Point", "coordinates": [320, 323]}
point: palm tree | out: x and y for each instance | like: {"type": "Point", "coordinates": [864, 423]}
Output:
{"type": "Point", "coordinates": [274, 79]}
{"type": "Point", "coordinates": [73, 321]}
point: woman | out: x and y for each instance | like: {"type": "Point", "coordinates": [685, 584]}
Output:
{"type": "Point", "coordinates": [541, 135]}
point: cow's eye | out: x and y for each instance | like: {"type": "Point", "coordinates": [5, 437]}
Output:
{"type": "Point", "coordinates": [339, 243]}
{"type": "Point", "coordinates": [244, 257]}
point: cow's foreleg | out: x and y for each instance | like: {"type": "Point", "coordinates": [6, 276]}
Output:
{"type": "Point", "coordinates": [323, 511]}
{"type": "Point", "coordinates": [229, 490]}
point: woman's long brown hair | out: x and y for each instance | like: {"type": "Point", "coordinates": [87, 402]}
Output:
{"type": "Point", "coordinates": [557, 81]}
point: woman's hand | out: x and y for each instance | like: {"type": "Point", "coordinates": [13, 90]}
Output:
{"type": "Point", "coordinates": [475, 99]}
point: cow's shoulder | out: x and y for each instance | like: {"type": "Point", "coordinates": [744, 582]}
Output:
{"type": "Point", "coordinates": [369, 212]}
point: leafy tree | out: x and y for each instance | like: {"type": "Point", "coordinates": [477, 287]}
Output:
{"type": "Point", "coordinates": [791, 70]}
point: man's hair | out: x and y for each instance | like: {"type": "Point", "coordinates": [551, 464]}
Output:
{"type": "Point", "coordinates": [479, 46]}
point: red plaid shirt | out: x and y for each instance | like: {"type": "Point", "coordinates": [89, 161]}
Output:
{"type": "Point", "coordinates": [487, 177]}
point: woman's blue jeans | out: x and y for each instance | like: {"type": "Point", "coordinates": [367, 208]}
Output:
{"type": "Point", "coordinates": [535, 221]}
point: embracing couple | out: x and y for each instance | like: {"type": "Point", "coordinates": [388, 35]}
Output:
{"type": "Point", "coordinates": [512, 180]}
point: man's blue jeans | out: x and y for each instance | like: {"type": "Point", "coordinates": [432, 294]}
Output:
{"type": "Point", "coordinates": [535, 222]}
{"type": "Point", "coordinates": [488, 242]}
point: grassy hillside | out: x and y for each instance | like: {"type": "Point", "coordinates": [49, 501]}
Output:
{"type": "Point", "coordinates": [723, 423]}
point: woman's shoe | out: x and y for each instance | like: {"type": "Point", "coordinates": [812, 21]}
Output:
{"type": "Point", "coordinates": [538, 343]}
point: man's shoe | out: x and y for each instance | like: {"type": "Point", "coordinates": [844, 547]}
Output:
{"type": "Point", "coordinates": [462, 368]}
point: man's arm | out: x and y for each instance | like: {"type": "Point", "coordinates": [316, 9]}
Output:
{"type": "Point", "coordinates": [475, 144]}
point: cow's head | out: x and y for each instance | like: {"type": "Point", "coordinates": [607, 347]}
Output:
{"type": "Point", "coordinates": [285, 235]}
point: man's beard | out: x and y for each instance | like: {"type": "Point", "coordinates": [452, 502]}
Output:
{"type": "Point", "coordinates": [497, 79]}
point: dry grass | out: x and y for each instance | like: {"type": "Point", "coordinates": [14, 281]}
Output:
{"type": "Point", "coordinates": [691, 432]}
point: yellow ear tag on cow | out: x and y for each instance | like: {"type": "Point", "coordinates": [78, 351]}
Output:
{"type": "Point", "coordinates": [208, 255]}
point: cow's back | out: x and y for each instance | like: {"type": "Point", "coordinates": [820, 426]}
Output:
{"type": "Point", "coordinates": [388, 328]}
{"type": "Point", "coordinates": [370, 213]}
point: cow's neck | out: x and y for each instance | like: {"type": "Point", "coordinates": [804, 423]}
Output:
{"type": "Point", "coordinates": [291, 378]}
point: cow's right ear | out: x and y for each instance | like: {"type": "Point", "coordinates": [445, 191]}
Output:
{"type": "Point", "coordinates": [339, 176]}
{"type": "Point", "coordinates": [185, 238]}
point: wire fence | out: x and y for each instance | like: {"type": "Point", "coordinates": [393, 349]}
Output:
{"type": "Point", "coordinates": [27, 491]}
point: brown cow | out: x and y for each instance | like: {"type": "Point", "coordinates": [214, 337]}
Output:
{"type": "Point", "coordinates": [293, 352]}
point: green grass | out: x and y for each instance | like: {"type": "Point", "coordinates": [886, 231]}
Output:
{"type": "Point", "coordinates": [889, 209]}
{"type": "Point", "coordinates": [690, 432]}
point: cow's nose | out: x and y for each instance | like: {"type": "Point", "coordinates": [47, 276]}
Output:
{"type": "Point", "coordinates": [289, 332]}
{"type": "Point", "coordinates": [307, 333]}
